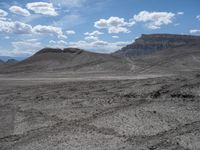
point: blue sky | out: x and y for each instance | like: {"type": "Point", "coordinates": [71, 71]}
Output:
{"type": "Point", "coordinates": [96, 25]}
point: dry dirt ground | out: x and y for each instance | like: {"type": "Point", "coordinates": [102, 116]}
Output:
{"type": "Point", "coordinates": [151, 113]}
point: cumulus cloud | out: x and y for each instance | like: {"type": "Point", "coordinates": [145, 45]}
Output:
{"type": "Point", "coordinates": [15, 27]}
{"type": "Point", "coordinates": [42, 8]}
{"type": "Point", "coordinates": [22, 28]}
{"type": "Point", "coordinates": [48, 29]}
{"type": "Point", "coordinates": [70, 32]}
{"type": "Point", "coordinates": [94, 33]}
{"type": "Point", "coordinates": [91, 38]}
{"type": "Point", "coordinates": [20, 11]}
{"type": "Point", "coordinates": [194, 31]}
{"type": "Point", "coordinates": [3, 13]}
{"type": "Point", "coordinates": [114, 25]}
{"type": "Point", "coordinates": [58, 44]}
{"type": "Point", "coordinates": [118, 30]}
{"type": "Point", "coordinates": [62, 36]}
{"type": "Point", "coordinates": [154, 20]}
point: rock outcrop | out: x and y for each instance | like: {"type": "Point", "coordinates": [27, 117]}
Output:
{"type": "Point", "coordinates": [49, 50]}
{"type": "Point", "coordinates": [148, 44]}
{"type": "Point", "coordinates": [57, 50]}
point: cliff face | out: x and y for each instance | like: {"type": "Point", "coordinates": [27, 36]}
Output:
{"type": "Point", "coordinates": [148, 44]}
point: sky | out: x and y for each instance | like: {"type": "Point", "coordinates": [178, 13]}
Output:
{"type": "Point", "coordinates": [103, 26]}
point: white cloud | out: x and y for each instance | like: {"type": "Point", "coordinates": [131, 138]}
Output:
{"type": "Point", "coordinates": [48, 29]}
{"type": "Point", "coordinates": [114, 25]}
{"type": "Point", "coordinates": [194, 31]}
{"type": "Point", "coordinates": [42, 8]}
{"type": "Point", "coordinates": [198, 17]}
{"type": "Point", "coordinates": [58, 44]}
{"type": "Point", "coordinates": [62, 36]}
{"type": "Point", "coordinates": [154, 20]}
{"type": "Point", "coordinates": [20, 11]}
{"type": "Point", "coordinates": [52, 42]}
{"type": "Point", "coordinates": [22, 28]}
{"type": "Point", "coordinates": [91, 38]}
{"type": "Point", "coordinates": [15, 27]}
{"type": "Point", "coordinates": [3, 13]}
{"type": "Point", "coordinates": [115, 37]}
{"type": "Point", "coordinates": [118, 30]}
{"type": "Point", "coordinates": [180, 13]}
{"type": "Point", "coordinates": [94, 33]}
{"type": "Point", "coordinates": [32, 40]}
{"type": "Point", "coordinates": [62, 42]}
{"type": "Point", "coordinates": [70, 32]}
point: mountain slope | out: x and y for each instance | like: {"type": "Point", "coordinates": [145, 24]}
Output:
{"type": "Point", "coordinates": [1, 63]}
{"type": "Point", "coordinates": [173, 60]}
{"type": "Point", "coordinates": [6, 58]}
{"type": "Point", "coordinates": [69, 59]}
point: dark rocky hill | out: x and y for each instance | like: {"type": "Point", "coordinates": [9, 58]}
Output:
{"type": "Point", "coordinates": [69, 60]}
{"type": "Point", "coordinates": [148, 44]}
{"type": "Point", "coordinates": [10, 61]}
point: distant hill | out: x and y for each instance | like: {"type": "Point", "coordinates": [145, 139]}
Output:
{"type": "Point", "coordinates": [11, 62]}
{"type": "Point", "coordinates": [148, 44]}
{"type": "Point", "coordinates": [1, 63]}
{"type": "Point", "coordinates": [69, 60]}
{"type": "Point", "coordinates": [6, 58]}
{"type": "Point", "coordinates": [7, 64]}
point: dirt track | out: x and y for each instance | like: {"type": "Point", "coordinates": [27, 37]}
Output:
{"type": "Point", "coordinates": [134, 113]}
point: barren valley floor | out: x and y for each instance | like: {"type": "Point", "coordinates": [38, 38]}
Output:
{"type": "Point", "coordinates": [147, 113]}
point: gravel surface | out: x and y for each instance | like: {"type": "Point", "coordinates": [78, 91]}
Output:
{"type": "Point", "coordinates": [147, 113]}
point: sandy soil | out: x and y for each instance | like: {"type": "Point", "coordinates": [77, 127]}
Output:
{"type": "Point", "coordinates": [99, 113]}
